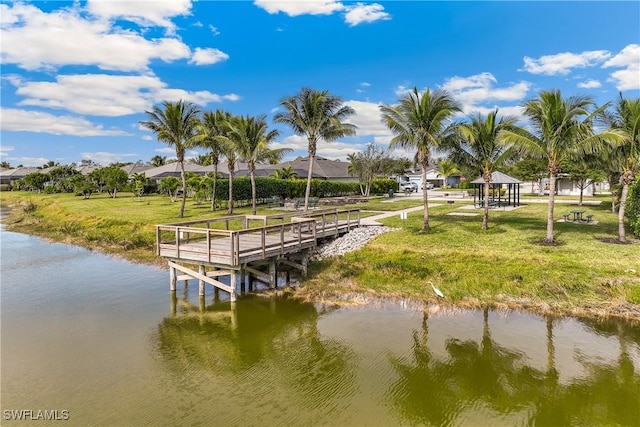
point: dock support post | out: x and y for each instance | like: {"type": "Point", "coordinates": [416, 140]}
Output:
{"type": "Point", "coordinates": [242, 281]}
{"type": "Point", "coordinates": [202, 271]}
{"type": "Point", "coordinates": [173, 305]}
{"type": "Point", "coordinates": [234, 283]}
{"type": "Point", "coordinates": [173, 278]}
{"type": "Point", "coordinates": [305, 262]}
{"type": "Point", "coordinates": [272, 273]}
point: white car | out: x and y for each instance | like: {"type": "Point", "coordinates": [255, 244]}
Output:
{"type": "Point", "coordinates": [408, 186]}
{"type": "Point", "coordinates": [429, 186]}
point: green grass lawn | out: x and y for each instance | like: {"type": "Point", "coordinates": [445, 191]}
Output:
{"type": "Point", "coordinates": [503, 265]}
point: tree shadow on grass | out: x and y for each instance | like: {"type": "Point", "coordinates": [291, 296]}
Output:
{"type": "Point", "coordinates": [613, 240]}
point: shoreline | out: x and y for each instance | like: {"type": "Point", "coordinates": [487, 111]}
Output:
{"type": "Point", "coordinates": [323, 288]}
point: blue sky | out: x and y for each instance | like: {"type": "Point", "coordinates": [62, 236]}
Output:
{"type": "Point", "coordinates": [78, 76]}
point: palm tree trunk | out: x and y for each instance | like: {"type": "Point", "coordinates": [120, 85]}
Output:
{"type": "Point", "coordinates": [231, 175]}
{"type": "Point", "coordinates": [622, 236]}
{"type": "Point", "coordinates": [307, 192]}
{"type": "Point", "coordinates": [552, 197]}
{"type": "Point", "coordinates": [213, 191]}
{"type": "Point", "coordinates": [253, 188]}
{"type": "Point", "coordinates": [425, 220]}
{"type": "Point", "coordinates": [485, 216]}
{"type": "Point", "coordinates": [184, 189]}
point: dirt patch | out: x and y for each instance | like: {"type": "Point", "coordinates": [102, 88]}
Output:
{"type": "Point", "coordinates": [544, 242]}
{"type": "Point", "coordinates": [613, 240]}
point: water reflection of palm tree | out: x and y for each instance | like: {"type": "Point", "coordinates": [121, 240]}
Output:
{"type": "Point", "coordinates": [424, 393]}
{"type": "Point", "coordinates": [283, 336]}
{"type": "Point", "coordinates": [491, 373]}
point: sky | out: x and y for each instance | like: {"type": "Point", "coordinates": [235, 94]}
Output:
{"type": "Point", "coordinates": [77, 77]}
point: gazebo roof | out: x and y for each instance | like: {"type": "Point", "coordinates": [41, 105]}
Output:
{"type": "Point", "coordinates": [498, 178]}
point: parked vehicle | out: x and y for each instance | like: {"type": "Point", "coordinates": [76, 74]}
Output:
{"type": "Point", "coordinates": [409, 186]}
{"type": "Point", "coordinates": [429, 186]}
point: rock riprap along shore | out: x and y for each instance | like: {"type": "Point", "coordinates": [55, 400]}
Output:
{"type": "Point", "coordinates": [351, 241]}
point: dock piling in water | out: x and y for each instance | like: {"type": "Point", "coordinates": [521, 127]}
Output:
{"type": "Point", "coordinates": [240, 251]}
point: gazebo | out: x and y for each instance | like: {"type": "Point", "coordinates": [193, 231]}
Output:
{"type": "Point", "coordinates": [497, 197]}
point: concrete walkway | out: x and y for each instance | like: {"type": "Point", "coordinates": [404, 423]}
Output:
{"type": "Point", "coordinates": [371, 221]}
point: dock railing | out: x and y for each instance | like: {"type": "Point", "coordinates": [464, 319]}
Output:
{"type": "Point", "coordinates": [228, 240]}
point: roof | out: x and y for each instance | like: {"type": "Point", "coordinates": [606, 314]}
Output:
{"type": "Point", "coordinates": [21, 172]}
{"type": "Point", "coordinates": [498, 178]}
{"type": "Point", "coordinates": [172, 169]}
{"type": "Point", "coordinates": [322, 168]}
{"type": "Point", "coordinates": [135, 168]}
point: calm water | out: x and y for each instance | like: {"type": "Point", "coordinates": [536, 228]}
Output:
{"type": "Point", "coordinates": [102, 339]}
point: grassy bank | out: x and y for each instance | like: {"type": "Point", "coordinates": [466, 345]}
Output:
{"type": "Point", "coordinates": [503, 266]}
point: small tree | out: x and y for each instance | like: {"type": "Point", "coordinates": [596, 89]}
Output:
{"type": "Point", "coordinates": [583, 173]}
{"type": "Point", "coordinates": [169, 186]}
{"type": "Point", "coordinates": [35, 181]}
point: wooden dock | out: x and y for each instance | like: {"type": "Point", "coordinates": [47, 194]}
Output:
{"type": "Point", "coordinates": [239, 244]}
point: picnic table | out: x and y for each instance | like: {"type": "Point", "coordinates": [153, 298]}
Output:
{"type": "Point", "coordinates": [577, 214]}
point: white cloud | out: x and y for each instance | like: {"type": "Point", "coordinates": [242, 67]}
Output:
{"type": "Point", "coordinates": [35, 121]}
{"type": "Point", "coordinates": [109, 95]}
{"type": "Point", "coordinates": [628, 58]}
{"type": "Point", "coordinates": [365, 13]}
{"type": "Point", "coordinates": [36, 40]}
{"type": "Point", "coordinates": [214, 30]}
{"type": "Point", "coordinates": [300, 7]}
{"type": "Point", "coordinates": [146, 138]}
{"type": "Point", "coordinates": [5, 149]}
{"type": "Point", "coordinates": [165, 150]}
{"type": "Point", "coordinates": [338, 150]}
{"type": "Point", "coordinates": [367, 118]}
{"type": "Point", "coordinates": [363, 87]}
{"type": "Point", "coordinates": [589, 84]}
{"type": "Point", "coordinates": [206, 56]}
{"type": "Point", "coordinates": [402, 90]}
{"type": "Point", "coordinates": [354, 14]}
{"type": "Point", "coordinates": [144, 13]}
{"type": "Point", "coordinates": [562, 63]}
{"type": "Point", "coordinates": [104, 158]}
{"type": "Point", "coordinates": [27, 161]}
{"type": "Point", "coordinates": [474, 92]}
{"type": "Point", "coordinates": [330, 150]}
{"type": "Point", "coordinates": [294, 142]}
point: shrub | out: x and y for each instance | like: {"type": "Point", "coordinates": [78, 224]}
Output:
{"type": "Point", "coordinates": [632, 210]}
{"type": "Point", "coordinates": [382, 186]}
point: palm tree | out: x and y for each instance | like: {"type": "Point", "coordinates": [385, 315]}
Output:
{"type": "Point", "coordinates": [285, 173]}
{"type": "Point", "coordinates": [421, 122]}
{"type": "Point", "coordinates": [478, 149]}
{"type": "Point", "coordinates": [320, 117]}
{"type": "Point", "coordinates": [174, 124]}
{"type": "Point", "coordinates": [625, 119]}
{"type": "Point", "coordinates": [250, 138]}
{"type": "Point", "coordinates": [211, 130]}
{"type": "Point", "coordinates": [158, 160]}
{"type": "Point", "coordinates": [561, 130]}
{"type": "Point", "coordinates": [445, 169]}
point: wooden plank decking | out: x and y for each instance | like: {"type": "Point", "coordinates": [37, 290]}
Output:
{"type": "Point", "coordinates": [201, 243]}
